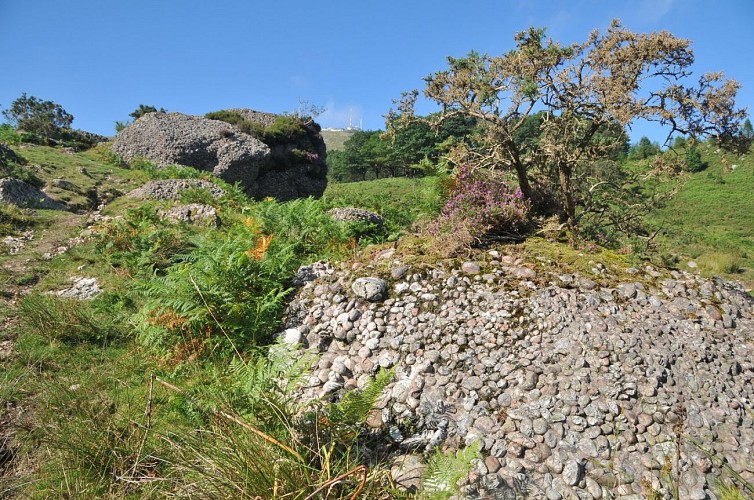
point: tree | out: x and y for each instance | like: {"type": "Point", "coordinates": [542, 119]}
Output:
{"type": "Point", "coordinates": [748, 131]}
{"type": "Point", "coordinates": [43, 118]}
{"type": "Point", "coordinates": [143, 110]}
{"type": "Point", "coordinates": [693, 159]}
{"type": "Point", "coordinates": [644, 149]}
{"type": "Point", "coordinates": [608, 81]}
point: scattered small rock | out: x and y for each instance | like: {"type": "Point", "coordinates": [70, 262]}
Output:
{"type": "Point", "coordinates": [351, 214]}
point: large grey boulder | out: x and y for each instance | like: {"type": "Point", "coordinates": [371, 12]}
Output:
{"type": "Point", "coordinates": [178, 139]}
{"type": "Point", "coordinates": [283, 169]}
{"type": "Point", "coordinates": [17, 192]}
{"type": "Point", "coordinates": [193, 213]}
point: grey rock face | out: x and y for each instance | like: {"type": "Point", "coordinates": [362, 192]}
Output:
{"type": "Point", "coordinates": [221, 148]}
{"type": "Point", "coordinates": [311, 272]}
{"type": "Point", "coordinates": [372, 289]}
{"type": "Point", "coordinates": [81, 289]}
{"type": "Point", "coordinates": [350, 214]}
{"type": "Point", "coordinates": [171, 189]}
{"type": "Point", "coordinates": [178, 139]}
{"type": "Point", "coordinates": [17, 192]}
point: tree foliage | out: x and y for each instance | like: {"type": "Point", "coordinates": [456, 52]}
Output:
{"type": "Point", "coordinates": [604, 83]}
{"type": "Point", "coordinates": [405, 151]}
{"type": "Point", "coordinates": [45, 119]}
{"type": "Point", "coordinates": [644, 149]}
{"type": "Point", "coordinates": [143, 110]}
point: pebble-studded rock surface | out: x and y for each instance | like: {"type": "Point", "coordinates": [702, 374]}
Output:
{"type": "Point", "coordinates": [575, 389]}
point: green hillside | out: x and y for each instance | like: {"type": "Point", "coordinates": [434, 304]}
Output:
{"type": "Point", "coordinates": [710, 221]}
{"type": "Point", "coordinates": [335, 139]}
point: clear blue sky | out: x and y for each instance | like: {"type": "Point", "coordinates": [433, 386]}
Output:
{"type": "Point", "coordinates": [100, 59]}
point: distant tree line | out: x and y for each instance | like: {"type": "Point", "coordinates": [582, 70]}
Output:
{"type": "Point", "coordinates": [407, 152]}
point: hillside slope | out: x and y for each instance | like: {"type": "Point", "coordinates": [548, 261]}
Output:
{"type": "Point", "coordinates": [573, 372]}
{"type": "Point", "coordinates": [710, 222]}
{"type": "Point", "coordinates": [335, 139]}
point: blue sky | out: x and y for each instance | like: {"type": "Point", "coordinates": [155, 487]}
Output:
{"type": "Point", "coordinates": [100, 59]}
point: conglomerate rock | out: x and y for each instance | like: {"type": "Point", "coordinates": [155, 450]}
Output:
{"type": "Point", "coordinates": [193, 141]}
{"type": "Point", "coordinates": [171, 189]}
{"type": "Point", "coordinates": [280, 170]}
{"type": "Point", "coordinates": [574, 389]}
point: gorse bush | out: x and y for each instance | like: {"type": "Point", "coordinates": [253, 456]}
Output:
{"type": "Point", "coordinates": [9, 135]}
{"type": "Point", "coordinates": [12, 165]}
{"type": "Point", "coordinates": [44, 119]}
{"type": "Point", "coordinates": [693, 159]}
{"type": "Point", "coordinates": [104, 154]}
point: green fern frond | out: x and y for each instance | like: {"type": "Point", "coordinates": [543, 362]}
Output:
{"type": "Point", "coordinates": [444, 470]}
{"type": "Point", "coordinates": [282, 371]}
{"type": "Point", "coordinates": [355, 406]}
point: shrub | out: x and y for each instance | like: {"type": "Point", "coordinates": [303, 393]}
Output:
{"type": "Point", "coordinates": [12, 165]}
{"type": "Point", "coordinates": [285, 130]}
{"type": "Point", "coordinates": [107, 156]}
{"type": "Point", "coordinates": [143, 110]}
{"type": "Point", "coordinates": [483, 202]}
{"type": "Point", "coordinates": [9, 135]}
{"type": "Point", "coordinates": [227, 116]}
{"type": "Point", "coordinates": [45, 119]}
{"type": "Point", "coordinates": [693, 159]}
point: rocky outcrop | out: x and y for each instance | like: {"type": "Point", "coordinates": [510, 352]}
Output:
{"type": "Point", "coordinates": [297, 167]}
{"type": "Point", "coordinates": [81, 289]}
{"type": "Point", "coordinates": [193, 213]}
{"type": "Point", "coordinates": [351, 214]}
{"type": "Point", "coordinates": [281, 168]}
{"type": "Point", "coordinates": [171, 189]}
{"type": "Point", "coordinates": [17, 192]}
{"type": "Point", "coordinates": [8, 156]}
{"type": "Point", "coordinates": [178, 139]}
{"type": "Point", "coordinates": [575, 386]}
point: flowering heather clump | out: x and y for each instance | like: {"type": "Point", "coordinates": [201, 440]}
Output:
{"type": "Point", "coordinates": [482, 200]}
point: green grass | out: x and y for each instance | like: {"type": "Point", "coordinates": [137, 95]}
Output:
{"type": "Point", "coordinates": [711, 219]}
{"type": "Point", "coordinates": [85, 170]}
{"type": "Point", "coordinates": [400, 200]}
{"type": "Point", "coordinates": [335, 139]}
{"type": "Point", "coordinates": [82, 375]}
